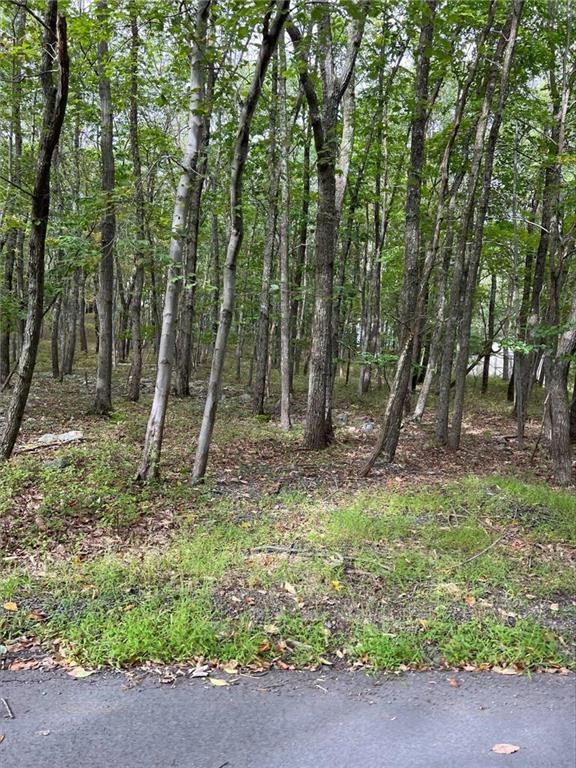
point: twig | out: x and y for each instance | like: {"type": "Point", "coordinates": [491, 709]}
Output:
{"type": "Point", "coordinates": [483, 551]}
{"type": "Point", "coordinates": [9, 714]}
{"type": "Point", "coordinates": [335, 556]}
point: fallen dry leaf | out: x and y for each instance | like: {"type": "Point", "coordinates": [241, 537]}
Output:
{"type": "Point", "coordinates": [2, 737]}
{"type": "Point", "coordinates": [218, 682]}
{"type": "Point", "coordinates": [289, 588]}
{"type": "Point", "coordinates": [21, 664]}
{"type": "Point", "coordinates": [453, 682]}
{"type": "Point", "coordinates": [10, 606]}
{"type": "Point", "coordinates": [36, 616]}
{"type": "Point", "coordinates": [80, 672]}
{"type": "Point", "coordinates": [505, 670]}
{"type": "Point", "coordinates": [505, 749]}
{"type": "Point", "coordinates": [231, 667]}
{"type": "Point", "coordinates": [470, 600]}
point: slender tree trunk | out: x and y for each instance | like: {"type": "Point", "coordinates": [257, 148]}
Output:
{"type": "Point", "coordinates": [55, 338]}
{"type": "Point", "coordinates": [482, 210]}
{"type": "Point", "coordinates": [184, 334]}
{"type": "Point", "coordinates": [103, 399]}
{"type": "Point", "coordinates": [458, 274]}
{"type": "Point", "coordinates": [140, 209]}
{"type": "Point", "coordinates": [271, 33]}
{"type": "Point", "coordinates": [150, 463]}
{"type": "Point", "coordinates": [284, 248]}
{"type": "Point", "coordinates": [388, 439]}
{"type": "Point", "coordinates": [55, 58]}
{"type": "Point", "coordinates": [559, 407]}
{"type": "Point", "coordinates": [318, 426]}
{"type": "Point", "coordinates": [263, 326]}
{"type": "Point", "coordinates": [298, 283]}
{"type": "Point", "coordinates": [489, 335]}
{"type": "Point", "coordinates": [82, 314]}
{"type": "Point", "coordinates": [573, 412]}
{"type": "Point", "coordinates": [7, 289]}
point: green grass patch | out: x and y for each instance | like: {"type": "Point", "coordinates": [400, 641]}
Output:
{"type": "Point", "coordinates": [394, 579]}
{"type": "Point", "coordinates": [387, 650]}
{"type": "Point", "coordinates": [487, 641]}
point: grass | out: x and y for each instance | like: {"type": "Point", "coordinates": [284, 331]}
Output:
{"type": "Point", "coordinates": [385, 579]}
{"type": "Point", "coordinates": [260, 564]}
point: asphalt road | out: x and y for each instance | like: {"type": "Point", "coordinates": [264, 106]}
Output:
{"type": "Point", "coordinates": [288, 720]}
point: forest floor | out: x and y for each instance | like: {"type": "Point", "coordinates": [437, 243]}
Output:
{"type": "Point", "coordinates": [284, 557]}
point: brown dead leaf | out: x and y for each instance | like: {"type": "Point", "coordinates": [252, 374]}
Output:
{"type": "Point", "coordinates": [454, 682]}
{"type": "Point", "coordinates": [79, 672]}
{"type": "Point", "coordinates": [10, 606]}
{"type": "Point", "coordinates": [470, 600]}
{"type": "Point", "coordinates": [2, 737]}
{"type": "Point", "coordinates": [290, 588]}
{"type": "Point", "coordinates": [263, 647]}
{"type": "Point", "coordinates": [217, 682]}
{"type": "Point", "coordinates": [21, 664]}
{"type": "Point", "coordinates": [231, 667]}
{"type": "Point", "coordinates": [505, 670]}
{"type": "Point", "coordinates": [36, 616]}
{"type": "Point", "coordinates": [505, 749]}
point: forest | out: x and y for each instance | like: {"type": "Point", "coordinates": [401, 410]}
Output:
{"type": "Point", "coordinates": [288, 332]}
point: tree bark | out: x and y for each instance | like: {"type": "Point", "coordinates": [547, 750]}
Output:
{"type": "Point", "coordinates": [511, 32]}
{"type": "Point", "coordinates": [271, 33]}
{"type": "Point", "coordinates": [458, 274]}
{"type": "Point", "coordinates": [284, 248]}
{"type": "Point", "coordinates": [388, 439]}
{"type": "Point", "coordinates": [318, 426]}
{"type": "Point", "coordinates": [150, 462]}
{"type": "Point", "coordinates": [6, 290]}
{"type": "Point", "coordinates": [263, 325]}
{"type": "Point", "coordinates": [54, 60]}
{"type": "Point", "coordinates": [140, 210]}
{"type": "Point", "coordinates": [105, 299]}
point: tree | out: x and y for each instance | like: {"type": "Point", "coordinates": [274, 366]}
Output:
{"type": "Point", "coordinates": [388, 440]}
{"type": "Point", "coordinates": [271, 33]}
{"type": "Point", "coordinates": [54, 76]}
{"type": "Point", "coordinates": [103, 396]}
{"type": "Point", "coordinates": [324, 117]}
{"type": "Point", "coordinates": [150, 462]}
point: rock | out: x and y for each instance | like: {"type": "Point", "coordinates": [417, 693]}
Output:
{"type": "Point", "coordinates": [368, 426]}
{"type": "Point", "coordinates": [64, 437]}
{"type": "Point", "coordinates": [59, 463]}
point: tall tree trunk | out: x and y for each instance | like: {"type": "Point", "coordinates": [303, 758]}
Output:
{"type": "Point", "coordinates": [318, 426]}
{"type": "Point", "coordinates": [284, 248]}
{"type": "Point", "coordinates": [54, 59]}
{"type": "Point", "coordinates": [270, 35]}
{"type": "Point", "coordinates": [55, 338]}
{"type": "Point", "coordinates": [559, 407]}
{"type": "Point", "coordinates": [489, 335]}
{"type": "Point", "coordinates": [388, 439]}
{"type": "Point", "coordinates": [458, 273]}
{"type": "Point", "coordinates": [7, 302]}
{"type": "Point", "coordinates": [140, 209]}
{"type": "Point", "coordinates": [184, 333]}
{"type": "Point", "coordinates": [298, 299]}
{"type": "Point", "coordinates": [105, 299]}
{"type": "Point", "coordinates": [482, 209]}
{"type": "Point", "coordinates": [263, 325]}
{"type": "Point", "coordinates": [150, 462]}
